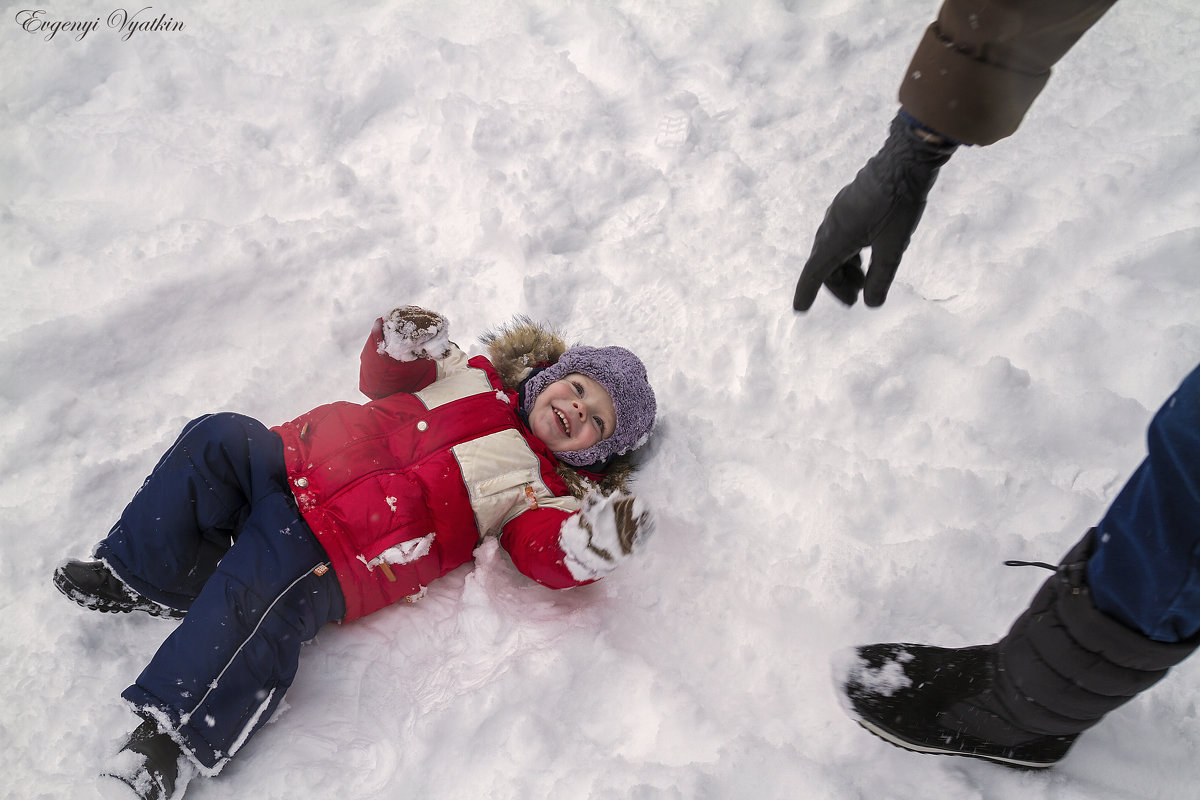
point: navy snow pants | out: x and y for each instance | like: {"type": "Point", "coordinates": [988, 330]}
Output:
{"type": "Point", "coordinates": [1145, 571]}
{"type": "Point", "coordinates": [215, 530]}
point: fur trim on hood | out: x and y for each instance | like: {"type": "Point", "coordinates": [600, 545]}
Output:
{"type": "Point", "coordinates": [515, 349]}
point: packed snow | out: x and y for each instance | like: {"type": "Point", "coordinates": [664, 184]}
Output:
{"type": "Point", "coordinates": [210, 218]}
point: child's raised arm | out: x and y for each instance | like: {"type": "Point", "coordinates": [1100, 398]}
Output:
{"type": "Point", "coordinates": [400, 353]}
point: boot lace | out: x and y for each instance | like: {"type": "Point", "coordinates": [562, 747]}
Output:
{"type": "Point", "coordinates": [1041, 564]}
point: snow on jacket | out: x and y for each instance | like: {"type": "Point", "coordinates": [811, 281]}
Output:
{"type": "Point", "coordinates": [401, 490]}
{"type": "Point", "coordinates": [981, 65]}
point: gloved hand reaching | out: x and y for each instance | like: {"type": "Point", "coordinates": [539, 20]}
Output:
{"type": "Point", "coordinates": [411, 332]}
{"type": "Point", "coordinates": [879, 209]}
{"type": "Point", "coordinates": [604, 533]}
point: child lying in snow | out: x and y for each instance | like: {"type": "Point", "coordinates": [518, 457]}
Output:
{"type": "Point", "coordinates": [259, 537]}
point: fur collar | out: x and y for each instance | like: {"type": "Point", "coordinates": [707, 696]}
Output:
{"type": "Point", "coordinates": [514, 349]}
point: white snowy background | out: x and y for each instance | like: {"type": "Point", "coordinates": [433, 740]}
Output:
{"type": "Point", "coordinates": [210, 219]}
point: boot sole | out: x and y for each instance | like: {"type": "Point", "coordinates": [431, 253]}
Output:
{"type": "Point", "coordinates": [892, 738]}
{"type": "Point", "coordinates": [116, 787]}
{"type": "Point", "coordinates": [93, 603]}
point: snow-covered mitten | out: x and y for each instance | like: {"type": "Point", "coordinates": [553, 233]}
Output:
{"type": "Point", "coordinates": [604, 533]}
{"type": "Point", "coordinates": [411, 332]}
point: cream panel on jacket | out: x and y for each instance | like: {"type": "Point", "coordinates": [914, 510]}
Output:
{"type": "Point", "coordinates": [503, 478]}
{"type": "Point", "coordinates": [455, 380]}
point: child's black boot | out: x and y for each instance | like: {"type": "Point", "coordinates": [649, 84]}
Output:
{"type": "Point", "coordinates": [151, 765]}
{"type": "Point", "coordinates": [1022, 701]}
{"type": "Point", "coordinates": [92, 585]}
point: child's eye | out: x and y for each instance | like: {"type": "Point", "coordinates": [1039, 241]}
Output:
{"type": "Point", "coordinates": [578, 388]}
{"type": "Point", "coordinates": [599, 424]}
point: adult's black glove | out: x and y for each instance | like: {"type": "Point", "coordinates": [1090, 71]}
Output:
{"type": "Point", "coordinates": [879, 209]}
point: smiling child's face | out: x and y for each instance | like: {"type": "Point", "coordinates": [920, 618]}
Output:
{"type": "Point", "coordinates": [573, 413]}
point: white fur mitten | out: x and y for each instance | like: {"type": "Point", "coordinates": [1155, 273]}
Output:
{"type": "Point", "coordinates": [411, 332]}
{"type": "Point", "coordinates": [604, 533]}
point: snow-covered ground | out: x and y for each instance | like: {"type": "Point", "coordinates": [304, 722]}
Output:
{"type": "Point", "coordinates": [210, 218]}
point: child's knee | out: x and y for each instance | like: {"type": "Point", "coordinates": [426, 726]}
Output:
{"type": "Point", "coordinates": [226, 426]}
{"type": "Point", "coordinates": [1177, 424]}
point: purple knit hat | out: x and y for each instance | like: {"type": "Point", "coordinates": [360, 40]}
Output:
{"type": "Point", "coordinates": [623, 376]}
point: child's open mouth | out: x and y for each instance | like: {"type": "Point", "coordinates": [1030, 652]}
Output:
{"type": "Point", "coordinates": [562, 419]}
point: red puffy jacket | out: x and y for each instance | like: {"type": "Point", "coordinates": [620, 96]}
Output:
{"type": "Point", "coordinates": [400, 490]}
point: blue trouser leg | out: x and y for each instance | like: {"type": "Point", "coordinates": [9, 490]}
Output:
{"type": "Point", "coordinates": [214, 530]}
{"type": "Point", "coordinates": [221, 674]}
{"type": "Point", "coordinates": [188, 511]}
{"type": "Point", "coordinates": [1145, 571]}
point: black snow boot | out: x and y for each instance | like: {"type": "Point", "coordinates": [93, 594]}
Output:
{"type": "Point", "coordinates": [92, 585]}
{"type": "Point", "coordinates": [1022, 701]}
{"type": "Point", "coordinates": [152, 765]}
